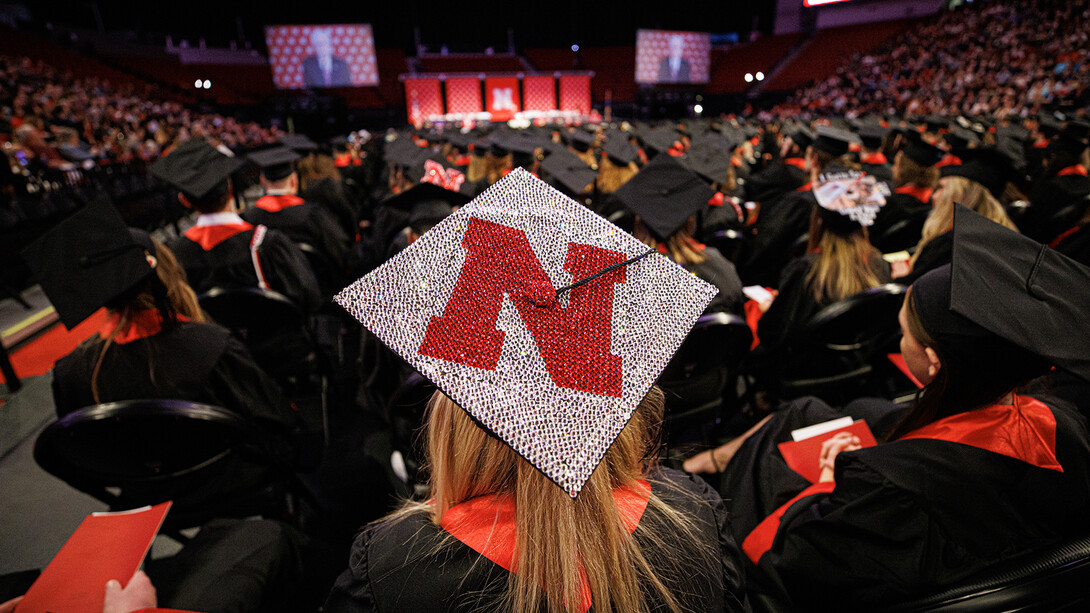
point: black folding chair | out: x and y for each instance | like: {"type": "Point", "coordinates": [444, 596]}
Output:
{"type": "Point", "coordinates": [210, 461]}
{"type": "Point", "coordinates": [701, 380]}
{"type": "Point", "coordinates": [834, 356]}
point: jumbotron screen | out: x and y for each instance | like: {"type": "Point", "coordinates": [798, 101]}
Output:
{"type": "Point", "coordinates": [666, 56]}
{"type": "Point", "coordinates": [339, 55]}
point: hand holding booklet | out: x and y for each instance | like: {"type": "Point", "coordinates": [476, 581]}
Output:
{"type": "Point", "coordinates": [105, 546]}
{"type": "Point", "coordinates": [803, 453]}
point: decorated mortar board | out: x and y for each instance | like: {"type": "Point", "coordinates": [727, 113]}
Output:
{"type": "Point", "coordinates": [987, 166]}
{"type": "Point", "coordinates": [569, 170]}
{"type": "Point", "coordinates": [833, 141]}
{"type": "Point", "coordinates": [88, 260]}
{"type": "Point", "coordinates": [665, 194]}
{"type": "Point", "coordinates": [438, 171]}
{"type": "Point", "coordinates": [298, 143]}
{"type": "Point", "coordinates": [543, 321]}
{"type": "Point", "coordinates": [197, 169]}
{"type": "Point", "coordinates": [922, 152]}
{"type": "Point", "coordinates": [276, 163]}
{"type": "Point", "coordinates": [1043, 294]}
{"type": "Point", "coordinates": [849, 199]}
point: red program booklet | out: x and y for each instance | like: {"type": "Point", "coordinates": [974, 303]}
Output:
{"type": "Point", "coordinates": [804, 456]}
{"type": "Point", "coordinates": [105, 546]}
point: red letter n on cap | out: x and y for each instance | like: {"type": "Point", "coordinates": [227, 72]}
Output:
{"type": "Point", "coordinates": [574, 342]}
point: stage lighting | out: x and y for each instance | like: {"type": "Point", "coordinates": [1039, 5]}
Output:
{"type": "Point", "coordinates": [698, 109]}
{"type": "Point", "coordinates": [760, 76]}
{"type": "Point", "coordinates": [207, 84]}
{"type": "Point", "coordinates": [749, 77]}
{"type": "Point", "coordinates": [197, 84]}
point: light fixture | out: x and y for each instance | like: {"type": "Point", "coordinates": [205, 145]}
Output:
{"type": "Point", "coordinates": [760, 76]}
{"type": "Point", "coordinates": [749, 77]}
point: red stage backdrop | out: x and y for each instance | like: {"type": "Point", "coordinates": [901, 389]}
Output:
{"type": "Point", "coordinates": [423, 98]}
{"type": "Point", "coordinates": [654, 49]}
{"type": "Point", "coordinates": [463, 95]}
{"type": "Point", "coordinates": [322, 56]}
{"type": "Point", "coordinates": [538, 93]}
{"type": "Point", "coordinates": [575, 93]}
{"type": "Point", "coordinates": [502, 97]}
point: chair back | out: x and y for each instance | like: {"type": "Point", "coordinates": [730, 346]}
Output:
{"type": "Point", "coordinates": [834, 355]}
{"type": "Point", "coordinates": [703, 369]}
{"type": "Point", "coordinates": [272, 327]}
{"type": "Point", "coordinates": [137, 452]}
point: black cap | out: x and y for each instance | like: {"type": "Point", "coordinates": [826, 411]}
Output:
{"type": "Point", "coordinates": [275, 164]}
{"type": "Point", "coordinates": [422, 194]}
{"type": "Point", "coordinates": [661, 138]}
{"type": "Point", "coordinates": [620, 150]}
{"type": "Point", "coordinates": [1075, 137]}
{"type": "Point", "coordinates": [961, 138]}
{"type": "Point", "coordinates": [1043, 294]}
{"type": "Point", "coordinates": [460, 140]}
{"type": "Point", "coordinates": [196, 168]}
{"type": "Point", "coordinates": [987, 166]}
{"type": "Point", "coordinates": [709, 162]}
{"type": "Point", "coordinates": [579, 139]}
{"type": "Point", "coordinates": [802, 137]}
{"type": "Point", "coordinates": [1048, 125]}
{"type": "Point", "coordinates": [849, 199]}
{"type": "Point", "coordinates": [935, 123]}
{"type": "Point", "coordinates": [404, 152]}
{"type": "Point", "coordinates": [833, 141]}
{"type": "Point", "coordinates": [569, 170]}
{"type": "Point", "coordinates": [89, 259]}
{"type": "Point", "coordinates": [871, 135]}
{"type": "Point", "coordinates": [298, 142]}
{"type": "Point", "coordinates": [665, 195]}
{"type": "Point", "coordinates": [923, 153]}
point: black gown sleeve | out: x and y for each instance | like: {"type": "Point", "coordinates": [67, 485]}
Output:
{"type": "Point", "coordinates": [237, 383]}
{"type": "Point", "coordinates": [720, 272]}
{"type": "Point", "coordinates": [790, 310]}
{"type": "Point", "coordinates": [288, 272]}
{"type": "Point", "coordinates": [352, 592]}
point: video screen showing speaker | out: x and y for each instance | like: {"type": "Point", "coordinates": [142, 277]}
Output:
{"type": "Point", "coordinates": [339, 55]}
{"type": "Point", "coordinates": [666, 56]}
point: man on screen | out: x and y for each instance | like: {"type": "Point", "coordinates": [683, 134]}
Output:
{"type": "Point", "coordinates": [323, 69]}
{"type": "Point", "coordinates": [674, 68]}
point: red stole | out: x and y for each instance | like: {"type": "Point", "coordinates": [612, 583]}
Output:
{"type": "Point", "coordinates": [1076, 170]}
{"type": "Point", "coordinates": [210, 236]}
{"type": "Point", "coordinates": [875, 159]}
{"type": "Point", "coordinates": [275, 204]}
{"type": "Point", "coordinates": [796, 162]}
{"type": "Point", "coordinates": [923, 194]}
{"type": "Point", "coordinates": [142, 324]}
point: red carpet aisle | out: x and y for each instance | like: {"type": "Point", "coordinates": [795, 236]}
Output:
{"type": "Point", "coordinates": [37, 356]}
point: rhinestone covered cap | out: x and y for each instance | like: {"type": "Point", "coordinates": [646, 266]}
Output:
{"type": "Point", "coordinates": [473, 305]}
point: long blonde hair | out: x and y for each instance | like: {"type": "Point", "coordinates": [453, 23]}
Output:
{"type": "Point", "coordinates": [680, 246]}
{"type": "Point", "coordinates": [612, 176]}
{"type": "Point", "coordinates": [168, 292]}
{"type": "Point", "coordinates": [558, 537]}
{"type": "Point", "coordinates": [959, 190]}
{"type": "Point", "coordinates": [842, 267]}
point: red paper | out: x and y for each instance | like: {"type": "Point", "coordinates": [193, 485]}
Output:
{"type": "Point", "coordinates": [899, 361]}
{"type": "Point", "coordinates": [804, 457]}
{"type": "Point", "coordinates": [105, 546]}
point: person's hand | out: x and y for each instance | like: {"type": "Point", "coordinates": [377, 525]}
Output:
{"type": "Point", "coordinates": [9, 606]}
{"type": "Point", "coordinates": [843, 441]}
{"type": "Point", "coordinates": [138, 594]}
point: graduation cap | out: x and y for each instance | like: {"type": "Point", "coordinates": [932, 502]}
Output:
{"type": "Point", "coordinates": [1048, 125]}
{"type": "Point", "coordinates": [620, 150]}
{"type": "Point", "coordinates": [438, 171]}
{"type": "Point", "coordinates": [987, 166]}
{"type": "Point", "coordinates": [404, 152]}
{"type": "Point", "coordinates": [1043, 294]}
{"type": "Point", "coordinates": [961, 138]}
{"type": "Point", "coordinates": [1075, 137]}
{"type": "Point", "coordinates": [579, 139]}
{"type": "Point", "coordinates": [665, 194]}
{"type": "Point", "coordinates": [298, 143]}
{"type": "Point", "coordinates": [923, 153]}
{"type": "Point", "coordinates": [196, 168]}
{"type": "Point", "coordinates": [802, 137]}
{"type": "Point", "coordinates": [849, 199]}
{"type": "Point", "coordinates": [425, 193]}
{"type": "Point", "coordinates": [88, 260]}
{"type": "Point", "coordinates": [833, 141]}
{"type": "Point", "coordinates": [871, 136]}
{"type": "Point", "coordinates": [543, 321]}
{"type": "Point", "coordinates": [275, 164]}
{"type": "Point", "coordinates": [659, 139]}
{"type": "Point", "coordinates": [569, 170]}
{"type": "Point", "coordinates": [709, 162]}
{"type": "Point", "coordinates": [460, 140]}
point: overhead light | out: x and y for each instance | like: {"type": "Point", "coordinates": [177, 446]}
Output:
{"type": "Point", "coordinates": [208, 84]}
{"type": "Point", "coordinates": [699, 109]}
{"type": "Point", "coordinates": [197, 84]}
{"type": "Point", "coordinates": [760, 76]}
{"type": "Point", "coordinates": [749, 77]}
{"type": "Point", "coordinates": [575, 47]}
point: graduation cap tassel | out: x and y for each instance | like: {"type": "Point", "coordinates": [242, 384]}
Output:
{"type": "Point", "coordinates": [604, 271]}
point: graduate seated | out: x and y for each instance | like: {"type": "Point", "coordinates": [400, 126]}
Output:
{"type": "Point", "coordinates": [915, 177]}
{"type": "Point", "coordinates": [972, 473]}
{"type": "Point", "coordinates": [282, 209]}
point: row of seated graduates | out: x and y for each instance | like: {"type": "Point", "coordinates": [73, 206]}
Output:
{"type": "Point", "coordinates": [720, 175]}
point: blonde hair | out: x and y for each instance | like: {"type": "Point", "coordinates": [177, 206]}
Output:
{"type": "Point", "coordinates": [497, 166]}
{"type": "Point", "coordinates": [959, 190]}
{"type": "Point", "coordinates": [612, 176]}
{"type": "Point", "coordinates": [314, 168]}
{"type": "Point", "coordinates": [842, 267]}
{"type": "Point", "coordinates": [559, 539]}
{"type": "Point", "coordinates": [180, 298]}
{"type": "Point", "coordinates": [908, 172]}
{"type": "Point", "coordinates": [680, 246]}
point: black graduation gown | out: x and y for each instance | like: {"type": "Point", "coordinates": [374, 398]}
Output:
{"type": "Point", "coordinates": [414, 565]}
{"type": "Point", "coordinates": [228, 263]}
{"type": "Point", "coordinates": [913, 516]}
{"type": "Point", "coordinates": [779, 224]}
{"type": "Point", "coordinates": [899, 207]}
{"type": "Point", "coordinates": [777, 179]}
{"type": "Point", "coordinates": [331, 194]}
{"type": "Point", "coordinates": [938, 251]}
{"type": "Point", "coordinates": [1076, 245]}
{"type": "Point", "coordinates": [307, 224]}
{"type": "Point", "coordinates": [720, 272]}
{"type": "Point", "coordinates": [200, 362]}
{"type": "Point", "coordinates": [795, 304]}
{"type": "Point", "coordinates": [1046, 200]}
